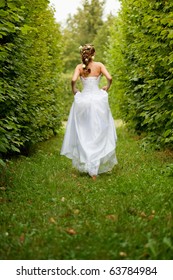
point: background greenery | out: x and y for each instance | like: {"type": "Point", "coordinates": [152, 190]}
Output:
{"type": "Point", "coordinates": [30, 57]}
{"type": "Point", "coordinates": [141, 60]}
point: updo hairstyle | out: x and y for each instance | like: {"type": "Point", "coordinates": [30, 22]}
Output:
{"type": "Point", "coordinates": [87, 55]}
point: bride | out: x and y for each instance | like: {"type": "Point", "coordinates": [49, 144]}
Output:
{"type": "Point", "coordinates": [90, 138]}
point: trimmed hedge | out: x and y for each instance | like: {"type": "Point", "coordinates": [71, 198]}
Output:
{"type": "Point", "coordinates": [141, 58]}
{"type": "Point", "coordinates": [30, 57]}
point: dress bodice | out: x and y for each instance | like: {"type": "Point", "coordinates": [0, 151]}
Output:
{"type": "Point", "coordinates": [90, 84]}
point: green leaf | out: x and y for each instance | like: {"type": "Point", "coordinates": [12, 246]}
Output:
{"type": "Point", "coordinates": [170, 35]}
{"type": "Point", "coordinates": [2, 3]}
{"type": "Point", "coordinates": [2, 163]}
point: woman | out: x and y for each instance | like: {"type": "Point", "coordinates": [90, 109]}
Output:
{"type": "Point", "coordinates": [90, 138]}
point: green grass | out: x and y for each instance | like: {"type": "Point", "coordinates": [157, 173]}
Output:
{"type": "Point", "coordinates": [48, 210]}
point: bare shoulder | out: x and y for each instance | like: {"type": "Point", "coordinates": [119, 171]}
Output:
{"type": "Point", "coordinates": [104, 71]}
{"type": "Point", "coordinates": [78, 67]}
{"type": "Point", "coordinates": [101, 66]}
{"type": "Point", "coordinates": [98, 64]}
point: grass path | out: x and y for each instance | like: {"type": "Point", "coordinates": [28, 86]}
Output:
{"type": "Point", "coordinates": [48, 210]}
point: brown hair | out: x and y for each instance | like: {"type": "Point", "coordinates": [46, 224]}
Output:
{"type": "Point", "coordinates": [87, 54]}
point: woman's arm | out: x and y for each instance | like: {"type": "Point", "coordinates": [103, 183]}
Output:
{"type": "Point", "coordinates": [105, 72]}
{"type": "Point", "coordinates": [74, 79]}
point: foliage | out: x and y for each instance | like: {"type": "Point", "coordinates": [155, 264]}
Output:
{"type": "Point", "coordinates": [142, 60]}
{"type": "Point", "coordinates": [101, 39]}
{"type": "Point", "coordinates": [30, 57]}
{"type": "Point", "coordinates": [115, 62]}
{"type": "Point", "coordinates": [50, 211]}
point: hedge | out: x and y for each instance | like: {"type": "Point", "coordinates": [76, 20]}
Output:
{"type": "Point", "coordinates": [30, 57]}
{"type": "Point", "coordinates": [141, 59]}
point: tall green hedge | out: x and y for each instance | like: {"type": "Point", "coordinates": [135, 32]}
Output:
{"type": "Point", "coordinates": [30, 59]}
{"type": "Point", "coordinates": [141, 58]}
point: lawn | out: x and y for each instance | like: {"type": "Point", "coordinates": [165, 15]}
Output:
{"type": "Point", "coordinates": [48, 210]}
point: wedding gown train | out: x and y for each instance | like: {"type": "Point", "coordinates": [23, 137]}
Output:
{"type": "Point", "coordinates": [90, 137]}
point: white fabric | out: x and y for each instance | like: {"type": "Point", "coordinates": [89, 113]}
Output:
{"type": "Point", "coordinates": [90, 138]}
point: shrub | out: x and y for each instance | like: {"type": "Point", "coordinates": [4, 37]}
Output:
{"type": "Point", "coordinates": [30, 57]}
{"type": "Point", "coordinates": [141, 57]}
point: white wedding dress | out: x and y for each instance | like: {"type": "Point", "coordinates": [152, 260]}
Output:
{"type": "Point", "coordinates": [90, 138]}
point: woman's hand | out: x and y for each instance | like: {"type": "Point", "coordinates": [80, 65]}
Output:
{"type": "Point", "coordinates": [105, 88]}
{"type": "Point", "coordinates": [75, 91]}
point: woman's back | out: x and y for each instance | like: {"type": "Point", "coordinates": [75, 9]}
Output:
{"type": "Point", "coordinates": [95, 68]}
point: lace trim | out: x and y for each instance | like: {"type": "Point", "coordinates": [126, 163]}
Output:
{"type": "Point", "coordinates": [96, 167]}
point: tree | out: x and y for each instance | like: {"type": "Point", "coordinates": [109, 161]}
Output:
{"type": "Point", "coordinates": [101, 40]}
{"type": "Point", "coordinates": [82, 28]}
